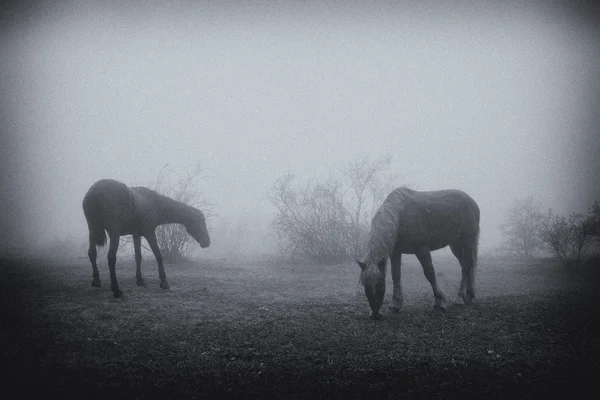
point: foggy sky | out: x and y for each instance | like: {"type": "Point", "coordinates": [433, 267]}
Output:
{"type": "Point", "coordinates": [497, 100]}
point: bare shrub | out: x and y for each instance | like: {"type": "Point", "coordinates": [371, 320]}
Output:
{"type": "Point", "coordinates": [569, 238]}
{"type": "Point", "coordinates": [521, 229]}
{"type": "Point", "coordinates": [592, 221]}
{"type": "Point", "coordinates": [328, 221]}
{"type": "Point", "coordinates": [367, 190]}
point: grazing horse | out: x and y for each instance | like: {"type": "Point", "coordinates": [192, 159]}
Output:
{"type": "Point", "coordinates": [418, 222]}
{"type": "Point", "coordinates": [113, 207]}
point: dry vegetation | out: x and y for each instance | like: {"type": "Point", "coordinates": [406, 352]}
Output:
{"type": "Point", "coordinates": [241, 329]}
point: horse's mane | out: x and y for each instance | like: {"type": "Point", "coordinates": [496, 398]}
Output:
{"type": "Point", "coordinates": [159, 198]}
{"type": "Point", "coordinates": [384, 231]}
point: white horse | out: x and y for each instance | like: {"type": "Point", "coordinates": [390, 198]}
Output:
{"type": "Point", "coordinates": [418, 222]}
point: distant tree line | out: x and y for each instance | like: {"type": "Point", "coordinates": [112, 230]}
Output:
{"type": "Point", "coordinates": [571, 239]}
{"type": "Point", "coordinates": [328, 220]}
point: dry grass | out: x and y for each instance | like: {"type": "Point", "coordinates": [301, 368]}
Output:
{"type": "Point", "coordinates": [242, 329]}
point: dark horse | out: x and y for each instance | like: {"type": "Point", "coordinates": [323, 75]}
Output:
{"type": "Point", "coordinates": [418, 222]}
{"type": "Point", "coordinates": [113, 207]}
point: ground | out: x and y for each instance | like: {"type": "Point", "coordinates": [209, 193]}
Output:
{"type": "Point", "coordinates": [268, 329]}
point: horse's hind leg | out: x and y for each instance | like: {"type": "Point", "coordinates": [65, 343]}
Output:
{"type": "Point", "coordinates": [112, 260]}
{"type": "Point", "coordinates": [470, 262]}
{"type": "Point", "coordinates": [457, 250]}
{"type": "Point", "coordinates": [92, 254]}
{"type": "Point", "coordinates": [466, 258]}
{"type": "Point", "coordinates": [151, 239]}
{"type": "Point", "coordinates": [424, 256]}
{"type": "Point", "coordinates": [137, 246]}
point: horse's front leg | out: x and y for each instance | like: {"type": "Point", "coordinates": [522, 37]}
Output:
{"type": "Point", "coordinates": [397, 299]}
{"type": "Point", "coordinates": [424, 256]}
{"type": "Point", "coordinates": [151, 239]}
{"type": "Point", "coordinates": [137, 246]}
{"type": "Point", "coordinates": [112, 260]}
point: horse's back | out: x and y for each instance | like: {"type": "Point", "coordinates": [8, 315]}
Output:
{"type": "Point", "coordinates": [146, 193]}
{"type": "Point", "coordinates": [436, 218]}
{"type": "Point", "coordinates": [445, 199]}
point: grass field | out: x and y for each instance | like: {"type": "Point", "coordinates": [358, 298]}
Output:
{"type": "Point", "coordinates": [258, 329]}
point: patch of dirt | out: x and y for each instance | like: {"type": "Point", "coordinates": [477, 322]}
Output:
{"type": "Point", "coordinates": [273, 331]}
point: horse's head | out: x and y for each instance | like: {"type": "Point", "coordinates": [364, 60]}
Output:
{"type": "Point", "coordinates": [197, 229]}
{"type": "Point", "coordinates": [372, 277]}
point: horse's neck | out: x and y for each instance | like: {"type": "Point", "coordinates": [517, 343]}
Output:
{"type": "Point", "coordinates": [384, 231]}
{"type": "Point", "coordinates": [171, 211]}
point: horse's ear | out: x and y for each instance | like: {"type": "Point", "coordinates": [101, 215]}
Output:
{"type": "Point", "coordinates": [362, 265]}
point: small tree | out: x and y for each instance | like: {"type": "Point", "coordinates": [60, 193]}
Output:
{"type": "Point", "coordinates": [568, 238]}
{"type": "Point", "coordinates": [328, 221]}
{"type": "Point", "coordinates": [521, 229]}
{"type": "Point", "coordinates": [174, 242]}
{"type": "Point", "coordinates": [367, 189]}
{"type": "Point", "coordinates": [311, 221]}
{"type": "Point", "coordinates": [592, 221]}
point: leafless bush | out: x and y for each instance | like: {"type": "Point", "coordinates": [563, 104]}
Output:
{"type": "Point", "coordinates": [521, 229]}
{"type": "Point", "coordinates": [592, 221]}
{"type": "Point", "coordinates": [328, 221]}
{"type": "Point", "coordinates": [366, 191]}
{"type": "Point", "coordinates": [569, 238]}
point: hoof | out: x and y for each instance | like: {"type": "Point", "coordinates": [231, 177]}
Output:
{"type": "Point", "coordinates": [140, 282]}
{"type": "Point", "coordinates": [117, 294]}
{"type": "Point", "coordinates": [96, 283]}
{"type": "Point", "coordinates": [164, 285]}
{"type": "Point", "coordinates": [376, 317]}
{"type": "Point", "coordinates": [394, 310]}
{"type": "Point", "coordinates": [440, 304]}
{"type": "Point", "coordinates": [466, 298]}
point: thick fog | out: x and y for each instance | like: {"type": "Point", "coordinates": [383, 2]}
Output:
{"type": "Point", "coordinates": [500, 101]}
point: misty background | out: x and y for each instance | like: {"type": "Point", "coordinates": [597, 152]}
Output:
{"type": "Point", "coordinates": [498, 100]}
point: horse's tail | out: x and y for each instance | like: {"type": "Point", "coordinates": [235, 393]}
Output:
{"type": "Point", "coordinates": [476, 250]}
{"type": "Point", "coordinates": [476, 218]}
{"type": "Point", "coordinates": [92, 213]}
{"type": "Point", "coordinates": [99, 237]}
